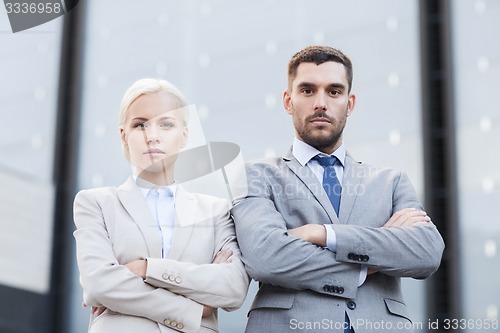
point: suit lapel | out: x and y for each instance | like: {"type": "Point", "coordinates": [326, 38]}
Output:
{"type": "Point", "coordinates": [353, 173]}
{"type": "Point", "coordinates": [311, 182]}
{"type": "Point", "coordinates": [133, 201]}
{"type": "Point", "coordinates": [186, 208]}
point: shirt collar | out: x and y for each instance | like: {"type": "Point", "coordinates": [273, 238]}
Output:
{"type": "Point", "coordinates": [304, 152]}
{"type": "Point", "coordinates": [146, 187]}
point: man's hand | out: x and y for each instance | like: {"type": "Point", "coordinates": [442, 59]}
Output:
{"type": "Point", "coordinates": [406, 218]}
{"type": "Point", "coordinates": [138, 267]}
{"type": "Point", "coordinates": [313, 233]}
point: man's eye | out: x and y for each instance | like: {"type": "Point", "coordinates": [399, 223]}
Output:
{"type": "Point", "coordinates": [334, 92]}
{"type": "Point", "coordinates": [307, 91]}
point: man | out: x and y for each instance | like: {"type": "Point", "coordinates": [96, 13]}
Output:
{"type": "Point", "coordinates": [328, 238]}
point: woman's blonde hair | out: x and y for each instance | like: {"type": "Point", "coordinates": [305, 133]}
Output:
{"type": "Point", "coordinates": [148, 86]}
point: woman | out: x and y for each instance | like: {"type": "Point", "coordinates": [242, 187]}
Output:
{"type": "Point", "coordinates": [153, 257]}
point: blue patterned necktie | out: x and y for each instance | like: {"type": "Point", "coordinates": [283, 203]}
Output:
{"type": "Point", "coordinates": [333, 189]}
{"type": "Point", "coordinates": [331, 183]}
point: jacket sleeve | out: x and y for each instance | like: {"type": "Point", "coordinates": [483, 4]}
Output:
{"type": "Point", "coordinates": [402, 251]}
{"type": "Point", "coordinates": [112, 285]}
{"type": "Point", "coordinates": [216, 285]}
{"type": "Point", "coordinates": [272, 256]}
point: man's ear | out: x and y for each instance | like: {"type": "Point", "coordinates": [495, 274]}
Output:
{"type": "Point", "coordinates": [287, 101]}
{"type": "Point", "coordinates": [351, 103]}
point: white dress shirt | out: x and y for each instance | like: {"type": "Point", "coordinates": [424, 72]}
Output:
{"type": "Point", "coordinates": [162, 209]}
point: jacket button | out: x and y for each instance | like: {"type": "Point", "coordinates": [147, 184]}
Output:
{"type": "Point", "coordinates": [350, 256]}
{"type": "Point", "coordinates": [165, 276]}
{"type": "Point", "coordinates": [178, 280]}
{"type": "Point", "coordinates": [166, 322]}
{"type": "Point", "coordinates": [351, 305]}
{"type": "Point", "coordinates": [341, 290]}
{"type": "Point", "coordinates": [366, 258]}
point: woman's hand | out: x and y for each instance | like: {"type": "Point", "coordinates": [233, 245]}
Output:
{"type": "Point", "coordinates": [138, 267]}
{"type": "Point", "coordinates": [97, 310]}
{"type": "Point", "coordinates": [207, 311]}
{"type": "Point", "coordinates": [223, 257]}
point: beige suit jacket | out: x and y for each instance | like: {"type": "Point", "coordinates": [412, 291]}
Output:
{"type": "Point", "coordinates": [115, 227]}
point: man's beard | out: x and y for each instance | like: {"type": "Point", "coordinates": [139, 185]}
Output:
{"type": "Point", "coordinates": [320, 141]}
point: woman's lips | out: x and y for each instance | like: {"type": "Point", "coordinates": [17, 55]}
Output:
{"type": "Point", "coordinates": [154, 152]}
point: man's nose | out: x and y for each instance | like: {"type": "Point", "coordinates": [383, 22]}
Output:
{"type": "Point", "coordinates": [320, 102]}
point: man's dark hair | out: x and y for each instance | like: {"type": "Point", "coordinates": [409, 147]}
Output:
{"type": "Point", "coordinates": [319, 55]}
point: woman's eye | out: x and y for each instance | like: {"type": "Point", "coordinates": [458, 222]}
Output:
{"type": "Point", "coordinates": [139, 125]}
{"type": "Point", "coordinates": [166, 125]}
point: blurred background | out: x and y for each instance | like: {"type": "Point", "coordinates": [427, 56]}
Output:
{"type": "Point", "coordinates": [426, 74]}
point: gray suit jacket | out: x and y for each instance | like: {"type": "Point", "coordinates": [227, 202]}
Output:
{"type": "Point", "coordinates": [114, 227]}
{"type": "Point", "coordinates": [306, 287]}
